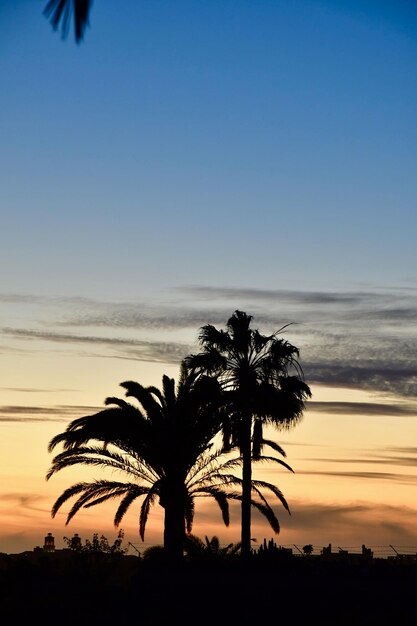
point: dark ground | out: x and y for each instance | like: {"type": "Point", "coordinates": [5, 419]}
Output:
{"type": "Point", "coordinates": [64, 589]}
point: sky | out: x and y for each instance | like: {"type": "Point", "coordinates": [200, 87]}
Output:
{"type": "Point", "coordinates": [188, 159]}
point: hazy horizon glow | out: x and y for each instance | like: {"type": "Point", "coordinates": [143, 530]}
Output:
{"type": "Point", "coordinates": [192, 159]}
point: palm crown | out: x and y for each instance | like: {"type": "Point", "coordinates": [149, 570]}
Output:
{"type": "Point", "coordinates": [165, 448]}
{"type": "Point", "coordinates": [263, 383]}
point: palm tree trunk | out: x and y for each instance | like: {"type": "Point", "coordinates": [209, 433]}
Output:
{"type": "Point", "coordinates": [246, 448]}
{"type": "Point", "coordinates": [174, 526]}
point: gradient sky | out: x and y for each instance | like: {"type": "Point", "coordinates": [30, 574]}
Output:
{"type": "Point", "coordinates": [188, 159]}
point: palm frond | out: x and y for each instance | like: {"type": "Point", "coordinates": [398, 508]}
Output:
{"type": "Point", "coordinates": [111, 425]}
{"type": "Point", "coordinates": [209, 336]}
{"type": "Point", "coordinates": [210, 361]}
{"type": "Point", "coordinates": [193, 544]}
{"type": "Point", "coordinates": [238, 324]}
{"type": "Point", "coordinates": [134, 493]}
{"type": "Point", "coordinates": [100, 456]}
{"type": "Point", "coordinates": [67, 494]}
{"type": "Point", "coordinates": [205, 463]}
{"type": "Point", "coordinates": [266, 459]}
{"type": "Point", "coordinates": [145, 508]}
{"type": "Point", "coordinates": [275, 446]}
{"type": "Point", "coordinates": [265, 509]}
{"type": "Point", "coordinates": [94, 493]}
{"type": "Point", "coordinates": [168, 387]}
{"type": "Point", "coordinates": [264, 485]}
{"type": "Point", "coordinates": [157, 393]}
{"type": "Point", "coordinates": [60, 12]}
{"type": "Point", "coordinates": [220, 497]}
{"type": "Point", "coordinates": [189, 511]}
{"type": "Point", "coordinates": [116, 492]}
{"type": "Point", "coordinates": [122, 404]}
{"type": "Point", "coordinates": [142, 395]}
{"type": "Point", "coordinates": [269, 514]}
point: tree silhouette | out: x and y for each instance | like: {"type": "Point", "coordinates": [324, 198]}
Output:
{"type": "Point", "coordinates": [264, 384]}
{"type": "Point", "coordinates": [62, 12]}
{"type": "Point", "coordinates": [164, 447]}
{"type": "Point", "coordinates": [96, 545]}
{"type": "Point", "coordinates": [210, 549]}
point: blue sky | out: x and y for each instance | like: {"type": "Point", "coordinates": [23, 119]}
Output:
{"type": "Point", "coordinates": [267, 144]}
{"type": "Point", "coordinates": [194, 157]}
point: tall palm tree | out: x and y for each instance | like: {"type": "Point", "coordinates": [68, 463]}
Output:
{"type": "Point", "coordinates": [61, 12]}
{"type": "Point", "coordinates": [164, 448]}
{"type": "Point", "coordinates": [264, 383]}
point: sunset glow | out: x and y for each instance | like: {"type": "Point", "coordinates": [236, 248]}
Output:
{"type": "Point", "coordinates": [186, 160]}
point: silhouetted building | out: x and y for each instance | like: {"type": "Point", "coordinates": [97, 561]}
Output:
{"type": "Point", "coordinates": [49, 545]}
{"type": "Point", "coordinates": [75, 543]}
{"type": "Point", "coordinates": [367, 552]}
{"type": "Point", "coordinates": [327, 551]}
{"type": "Point", "coordinates": [345, 555]}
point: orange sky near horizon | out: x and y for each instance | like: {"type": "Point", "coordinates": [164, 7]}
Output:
{"type": "Point", "coordinates": [352, 482]}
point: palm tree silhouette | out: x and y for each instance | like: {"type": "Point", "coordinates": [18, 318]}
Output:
{"type": "Point", "coordinates": [61, 12]}
{"type": "Point", "coordinates": [196, 548]}
{"type": "Point", "coordinates": [165, 448]}
{"type": "Point", "coordinates": [263, 382]}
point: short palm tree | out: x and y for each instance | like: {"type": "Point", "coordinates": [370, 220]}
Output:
{"type": "Point", "coordinates": [264, 383]}
{"type": "Point", "coordinates": [164, 447]}
{"type": "Point", "coordinates": [196, 548]}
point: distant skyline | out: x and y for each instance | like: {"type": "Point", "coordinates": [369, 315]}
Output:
{"type": "Point", "coordinates": [187, 160]}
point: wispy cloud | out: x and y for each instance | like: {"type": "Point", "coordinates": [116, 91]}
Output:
{"type": "Point", "coordinates": [401, 449]}
{"type": "Point", "coordinates": [142, 317]}
{"type": "Point", "coordinates": [348, 461]}
{"type": "Point", "coordinates": [321, 523]}
{"type": "Point", "coordinates": [24, 333]}
{"type": "Point", "coordinates": [363, 408]}
{"type": "Point", "coordinates": [199, 304]}
{"type": "Point", "coordinates": [402, 461]}
{"type": "Point", "coordinates": [24, 500]}
{"type": "Point", "coordinates": [16, 298]}
{"type": "Point", "coordinates": [344, 522]}
{"type": "Point", "coordinates": [388, 305]}
{"type": "Point", "coordinates": [17, 413]}
{"type": "Point", "coordinates": [396, 379]}
{"type": "Point", "coordinates": [35, 390]}
{"type": "Point", "coordinates": [397, 456]}
{"type": "Point", "coordinates": [390, 476]}
{"type": "Point", "coordinates": [23, 504]}
{"type": "Point", "coordinates": [357, 339]}
{"type": "Point", "coordinates": [159, 351]}
{"type": "Point", "coordinates": [279, 296]}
